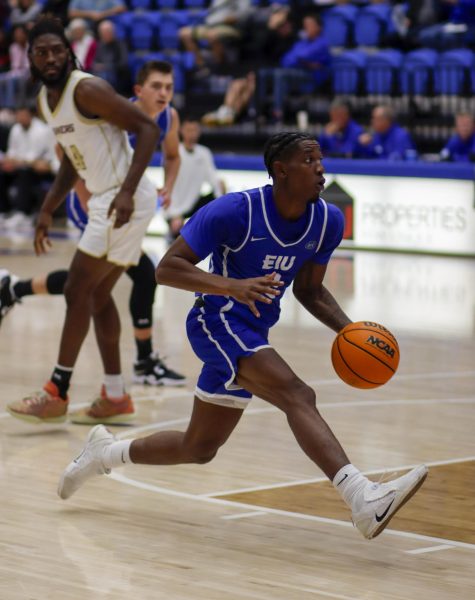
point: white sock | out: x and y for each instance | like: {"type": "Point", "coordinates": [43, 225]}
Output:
{"type": "Point", "coordinates": [114, 385]}
{"type": "Point", "coordinates": [348, 482]}
{"type": "Point", "coordinates": [116, 454]}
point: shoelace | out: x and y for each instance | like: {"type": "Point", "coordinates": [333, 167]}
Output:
{"type": "Point", "coordinates": [37, 398]}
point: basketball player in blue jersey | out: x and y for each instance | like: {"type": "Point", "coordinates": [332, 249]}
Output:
{"type": "Point", "coordinates": [154, 92]}
{"type": "Point", "coordinates": [261, 241]}
{"type": "Point", "coordinates": [90, 122]}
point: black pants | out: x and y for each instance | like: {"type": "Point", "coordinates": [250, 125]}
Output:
{"type": "Point", "coordinates": [22, 190]}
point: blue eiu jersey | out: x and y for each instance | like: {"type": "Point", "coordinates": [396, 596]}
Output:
{"type": "Point", "coordinates": [75, 212]}
{"type": "Point", "coordinates": [247, 238]}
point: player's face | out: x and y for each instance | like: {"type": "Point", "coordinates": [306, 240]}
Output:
{"type": "Point", "coordinates": [50, 60]}
{"type": "Point", "coordinates": [157, 91]}
{"type": "Point", "coordinates": [305, 171]}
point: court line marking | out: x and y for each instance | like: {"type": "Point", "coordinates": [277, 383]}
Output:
{"type": "Point", "coordinates": [284, 484]}
{"type": "Point", "coordinates": [120, 478]}
{"type": "Point", "coordinates": [430, 549]}
{"type": "Point", "coordinates": [255, 513]}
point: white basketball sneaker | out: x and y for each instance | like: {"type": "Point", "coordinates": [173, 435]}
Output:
{"type": "Point", "coordinates": [377, 503]}
{"type": "Point", "coordinates": [87, 464]}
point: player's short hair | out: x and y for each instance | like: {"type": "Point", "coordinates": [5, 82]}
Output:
{"type": "Point", "coordinates": [281, 145]}
{"type": "Point", "coordinates": [49, 24]}
{"type": "Point", "coordinates": [160, 66]}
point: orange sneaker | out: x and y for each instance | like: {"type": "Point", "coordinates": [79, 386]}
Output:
{"type": "Point", "coordinates": [45, 406]}
{"type": "Point", "coordinates": [106, 410]}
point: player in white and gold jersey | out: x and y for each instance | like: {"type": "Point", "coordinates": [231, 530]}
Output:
{"type": "Point", "coordinates": [90, 122]}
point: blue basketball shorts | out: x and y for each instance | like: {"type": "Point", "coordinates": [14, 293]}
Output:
{"type": "Point", "coordinates": [220, 340]}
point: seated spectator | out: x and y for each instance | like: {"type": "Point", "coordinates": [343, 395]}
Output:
{"type": "Point", "coordinates": [221, 25]}
{"type": "Point", "coordinates": [305, 67]}
{"type": "Point", "coordinates": [25, 12]}
{"type": "Point", "coordinates": [28, 164]}
{"type": "Point", "coordinates": [387, 140]}
{"type": "Point", "coordinates": [341, 134]}
{"type": "Point", "coordinates": [111, 59]}
{"type": "Point", "coordinates": [237, 98]}
{"type": "Point", "coordinates": [458, 32]}
{"type": "Point", "coordinates": [409, 18]}
{"type": "Point", "coordinates": [83, 43]}
{"type": "Point", "coordinates": [196, 168]}
{"type": "Point", "coordinates": [13, 82]}
{"type": "Point", "coordinates": [461, 146]}
{"type": "Point", "coordinates": [94, 11]}
{"type": "Point", "coordinates": [268, 34]}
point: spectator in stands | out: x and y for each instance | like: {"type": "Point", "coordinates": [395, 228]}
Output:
{"type": "Point", "coordinates": [220, 26]}
{"type": "Point", "coordinates": [409, 18]}
{"type": "Point", "coordinates": [95, 10]}
{"type": "Point", "coordinates": [25, 12]}
{"type": "Point", "coordinates": [340, 136]}
{"type": "Point", "coordinates": [27, 166]}
{"type": "Point", "coordinates": [196, 168]}
{"type": "Point", "coordinates": [305, 67]}
{"type": "Point", "coordinates": [387, 140]}
{"type": "Point", "coordinates": [458, 32]}
{"type": "Point", "coordinates": [13, 82]}
{"type": "Point", "coordinates": [461, 146]}
{"type": "Point", "coordinates": [58, 8]}
{"type": "Point", "coordinates": [111, 59]}
{"type": "Point", "coordinates": [268, 34]}
{"type": "Point", "coordinates": [83, 43]}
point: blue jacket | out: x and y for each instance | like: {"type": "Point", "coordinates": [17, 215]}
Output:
{"type": "Point", "coordinates": [395, 144]}
{"type": "Point", "coordinates": [459, 150]}
{"type": "Point", "coordinates": [344, 143]}
{"type": "Point", "coordinates": [309, 51]}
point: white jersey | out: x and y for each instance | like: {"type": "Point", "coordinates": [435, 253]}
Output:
{"type": "Point", "coordinates": [99, 151]}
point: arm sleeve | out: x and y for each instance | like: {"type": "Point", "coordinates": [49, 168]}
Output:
{"type": "Point", "coordinates": [333, 235]}
{"type": "Point", "coordinates": [12, 145]}
{"type": "Point", "coordinates": [221, 222]}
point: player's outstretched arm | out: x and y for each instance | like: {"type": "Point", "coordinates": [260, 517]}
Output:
{"type": "Point", "coordinates": [309, 290]}
{"type": "Point", "coordinates": [178, 269]}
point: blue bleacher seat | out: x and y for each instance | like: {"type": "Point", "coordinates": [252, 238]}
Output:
{"type": "Point", "coordinates": [170, 4]}
{"type": "Point", "coordinates": [454, 71]}
{"type": "Point", "coordinates": [195, 3]}
{"type": "Point", "coordinates": [371, 24]}
{"type": "Point", "coordinates": [338, 23]}
{"type": "Point", "coordinates": [382, 71]}
{"type": "Point", "coordinates": [141, 33]}
{"type": "Point", "coordinates": [141, 4]}
{"type": "Point", "coordinates": [347, 69]}
{"type": "Point", "coordinates": [417, 73]}
{"type": "Point", "coordinates": [122, 25]}
{"type": "Point", "coordinates": [170, 23]}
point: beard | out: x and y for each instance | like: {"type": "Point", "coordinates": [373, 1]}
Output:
{"type": "Point", "coordinates": [51, 80]}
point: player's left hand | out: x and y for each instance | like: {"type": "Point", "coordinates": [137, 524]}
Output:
{"type": "Point", "coordinates": [166, 197]}
{"type": "Point", "coordinates": [123, 205]}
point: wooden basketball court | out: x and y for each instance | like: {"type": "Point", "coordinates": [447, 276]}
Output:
{"type": "Point", "coordinates": [259, 522]}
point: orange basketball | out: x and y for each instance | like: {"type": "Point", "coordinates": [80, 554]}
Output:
{"type": "Point", "coordinates": [365, 355]}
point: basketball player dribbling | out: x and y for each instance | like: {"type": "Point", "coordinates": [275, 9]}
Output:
{"type": "Point", "coordinates": [90, 122]}
{"type": "Point", "coordinates": [260, 241]}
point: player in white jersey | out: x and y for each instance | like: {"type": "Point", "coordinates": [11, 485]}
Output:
{"type": "Point", "coordinates": [90, 122]}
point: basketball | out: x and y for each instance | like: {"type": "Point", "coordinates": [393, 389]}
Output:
{"type": "Point", "coordinates": [365, 355]}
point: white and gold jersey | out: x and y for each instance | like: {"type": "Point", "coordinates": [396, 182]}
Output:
{"type": "Point", "coordinates": [99, 151]}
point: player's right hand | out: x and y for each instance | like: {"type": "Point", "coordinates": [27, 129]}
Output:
{"type": "Point", "coordinates": [42, 242]}
{"type": "Point", "coordinates": [257, 289]}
